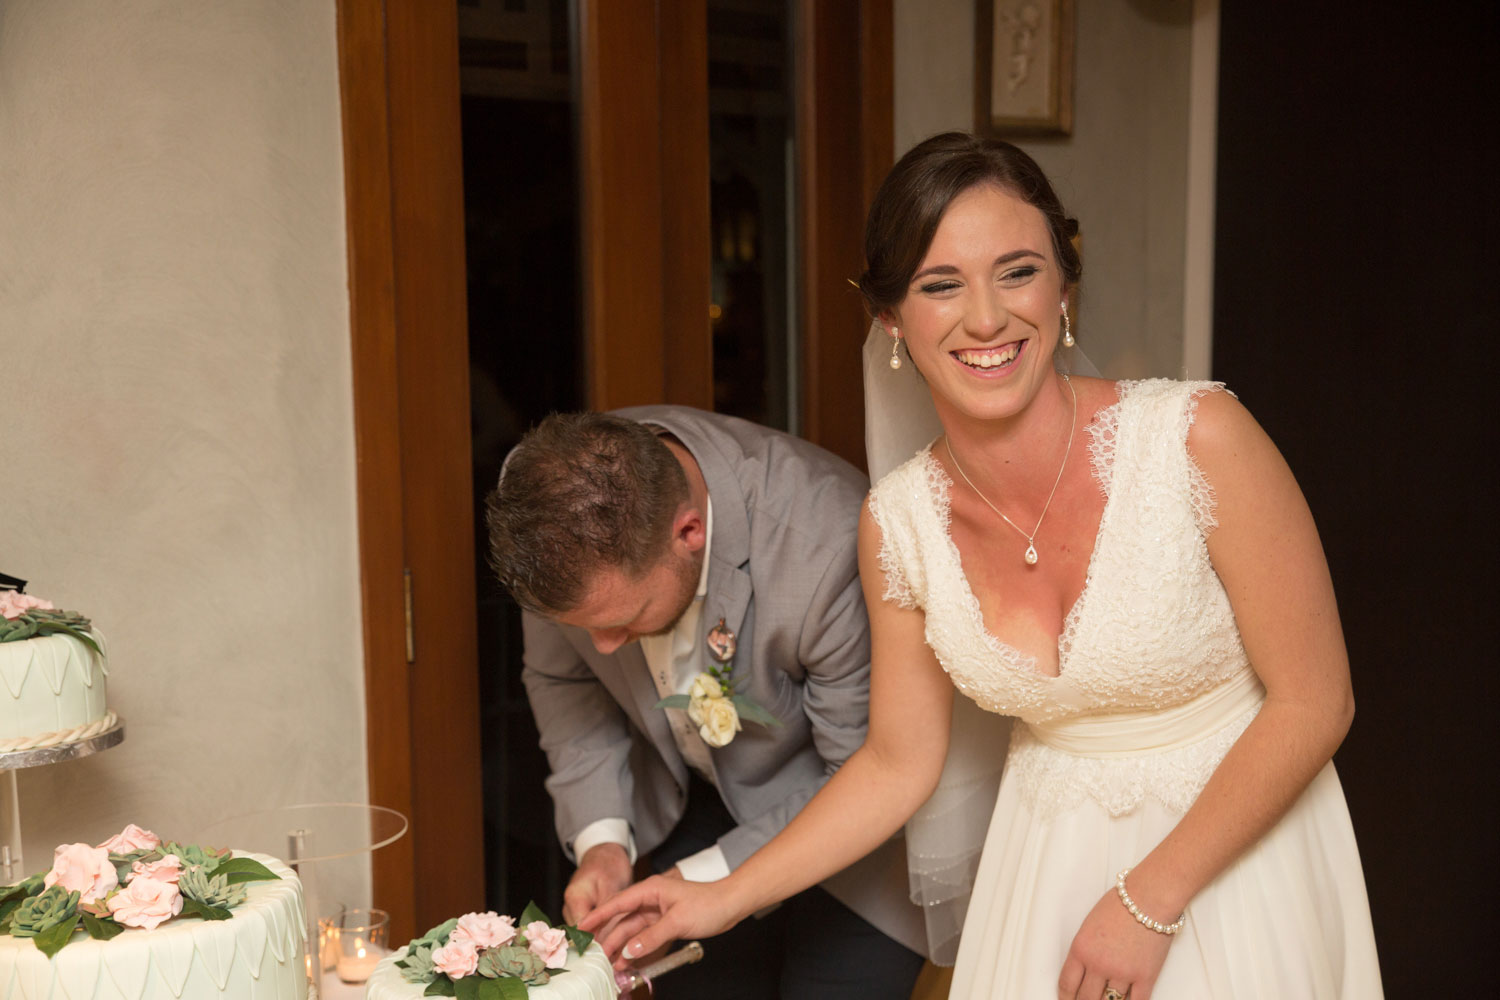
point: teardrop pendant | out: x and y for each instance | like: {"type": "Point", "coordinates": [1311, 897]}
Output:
{"type": "Point", "coordinates": [1031, 555]}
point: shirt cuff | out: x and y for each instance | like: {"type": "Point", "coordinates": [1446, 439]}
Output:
{"type": "Point", "coordinates": [610, 830]}
{"type": "Point", "coordinates": [708, 865]}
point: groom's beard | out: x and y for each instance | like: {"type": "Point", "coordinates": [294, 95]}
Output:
{"type": "Point", "coordinates": [685, 574]}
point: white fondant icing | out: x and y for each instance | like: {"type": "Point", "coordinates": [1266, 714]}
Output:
{"type": "Point", "coordinates": [35, 980]}
{"type": "Point", "coordinates": [172, 956]}
{"type": "Point", "coordinates": [79, 979]}
{"type": "Point", "coordinates": [51, 682]}
{"type": "Point", "coordinates": [127, 967]}
{"type": "Point", "coordinates": [183, 959]}
{"type": "Point", "coordinates": [215, 950]}
{"type": "Point", "coordinates": [252, 946]}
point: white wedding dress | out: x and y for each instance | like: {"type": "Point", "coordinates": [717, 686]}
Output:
{"type": "Point", "coordinates": [1154, 687]}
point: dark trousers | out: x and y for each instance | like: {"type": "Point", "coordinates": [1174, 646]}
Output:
{"type": "Point", "coordinates": [811, 947]}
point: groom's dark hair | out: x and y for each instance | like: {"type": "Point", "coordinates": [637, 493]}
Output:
{"type": "Point", "coordinates": [581, 492]}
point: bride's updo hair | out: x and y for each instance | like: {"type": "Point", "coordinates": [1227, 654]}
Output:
{"type": "Point", "coordinates": [920, 187]}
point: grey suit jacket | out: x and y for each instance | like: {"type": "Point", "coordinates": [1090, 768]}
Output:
{"type": "Point", "coordinates": [784, 575]}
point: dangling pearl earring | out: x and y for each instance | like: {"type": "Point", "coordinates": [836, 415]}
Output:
{"type": "Point", "coordinates": [1068, 340]}
{"type": "Point", "coordinates": [895, 349]}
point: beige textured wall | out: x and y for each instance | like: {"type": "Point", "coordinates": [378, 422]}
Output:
{"type": "Point", "coordinates": [176, 435]}
{"type": "Point", "coordinates": [1122, 173]}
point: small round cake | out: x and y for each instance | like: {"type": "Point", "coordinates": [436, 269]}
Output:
{"type": "Point", "coordinates": [53, 667]}
{"type": "Point", "coordinates": [486, 945]}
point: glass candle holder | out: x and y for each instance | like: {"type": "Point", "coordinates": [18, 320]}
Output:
{"type": "Point", "coordinates": [354, 942]}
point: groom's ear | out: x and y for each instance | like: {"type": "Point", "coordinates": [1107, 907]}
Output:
{"type": "Point", "coordinates": [690, 528]}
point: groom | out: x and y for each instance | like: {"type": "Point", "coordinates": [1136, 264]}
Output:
{"type": "Point", "coordinates": [648, 546]}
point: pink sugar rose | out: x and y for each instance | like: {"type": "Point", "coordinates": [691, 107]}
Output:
{"type": "Point", "coordinates": [168, 869]}
{"type": "Point", "coordinates": [13, 605]}
{"type": "Point", "coordinates": [145, 903]}
{"type": "Point", "coordinates": [456, 959]}
{"type": "Point", "coordinates": [550, 944]}
{"type": "Point", "coordinates": [132, 838]}
{"type": "Point", "coordinates": [486, 930]}
{"type": "Point", "coordinates": [84, 869]}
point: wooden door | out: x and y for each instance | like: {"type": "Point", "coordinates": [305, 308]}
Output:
{"type": "Point", "coordinates": [642, 87]}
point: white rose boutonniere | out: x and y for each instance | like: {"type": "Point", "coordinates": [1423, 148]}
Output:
{"type": "Point", "coordinates": [719, 723]}
{"type": "Point", "coordinates": [712, 703]}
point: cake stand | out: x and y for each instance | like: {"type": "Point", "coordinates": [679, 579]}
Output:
{"type": "Point", "coordinates": [12, 868]}
{"type": "Point", "coordinates": [307, 835]}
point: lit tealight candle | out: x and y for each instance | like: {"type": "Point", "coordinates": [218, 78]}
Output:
{"type": "Point", "coordinates": [356, 965]}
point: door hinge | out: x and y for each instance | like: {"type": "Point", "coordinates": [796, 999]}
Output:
{"type": "Point", "coordinates": [411, 642]}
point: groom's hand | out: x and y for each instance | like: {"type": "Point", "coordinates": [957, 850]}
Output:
{"type": "Point", "coordinates": [602, 872]}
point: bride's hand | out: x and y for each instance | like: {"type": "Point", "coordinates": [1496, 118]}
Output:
{"type": "Point", "coordinates": [1112, 950]}
{"type": "Point", "coordinates": [658, 911]}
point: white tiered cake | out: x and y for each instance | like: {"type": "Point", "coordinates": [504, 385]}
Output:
{"type": "Point", "coordinates": [52, 675]}
{"type": "Point", "coordinates": [153, 940]}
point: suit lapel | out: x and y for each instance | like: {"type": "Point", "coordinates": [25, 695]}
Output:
{"type": "Point", "coordinates": [729, 587]}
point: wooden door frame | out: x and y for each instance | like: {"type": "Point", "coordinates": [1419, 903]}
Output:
{"type": "Point", "coordinates": [646, 260]}
{"type": "Point", "coordinates": [846, 144]}
{"type": "Point", "coordinates": [646, 276]}
{"type": "Point", "coordinates": [643, 172]}
{"type": "Point", "coordinates": [398, 63]}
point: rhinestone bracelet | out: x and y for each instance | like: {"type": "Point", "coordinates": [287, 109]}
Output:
{"type": "Point", "coordinates": [1135, 911]}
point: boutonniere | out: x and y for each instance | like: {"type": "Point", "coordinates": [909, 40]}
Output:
{"type": "Point", "coordinates": [712, 703]}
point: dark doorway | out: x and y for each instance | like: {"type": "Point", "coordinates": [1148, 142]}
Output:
{"type": "Point", "coordinates": [525, 361]}
{"type": "Point", "coordinates": [1355, 300]}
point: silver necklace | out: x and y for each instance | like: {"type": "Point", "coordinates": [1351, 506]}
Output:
{"type": "Point", "coordinates": [1031, 556]}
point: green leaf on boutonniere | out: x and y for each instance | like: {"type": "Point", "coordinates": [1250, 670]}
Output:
{"type": "Point", "coordinates": [240, 870]}
{"type": "Point", "coordinates": [467, 988]}
{"type": "Point", "coordinates": [442, 986]}
{"type": "Point", "coordinates": [191, 907]}
{"type": "Point", "coordinates": [51, 940]}
{"type": "Point", "coordinates": [753, 712]}
{"type": "Point", "coordinates": [580, 940]}
{"type": "Point", "coordinates": [674, 701]}
{"type": "Point", "coordinates": [534, 912]}
{"type": "Point", "coordinates": [100, 930]}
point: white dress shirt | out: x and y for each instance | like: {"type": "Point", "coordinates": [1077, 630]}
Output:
{"type": "Point", "coordinates": [675, 659]}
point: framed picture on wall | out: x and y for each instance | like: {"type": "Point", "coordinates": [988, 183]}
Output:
{"type": "Point", "coordinates": [1023, 67]}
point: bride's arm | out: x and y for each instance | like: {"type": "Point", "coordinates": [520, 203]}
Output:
{"type": "Point", "coordinates": [1267, 553]}
{"type": "Point", "coordinates": [867, 799]}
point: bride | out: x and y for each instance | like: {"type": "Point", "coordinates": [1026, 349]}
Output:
{"type": "Point", "coordinates": [1130, 570]}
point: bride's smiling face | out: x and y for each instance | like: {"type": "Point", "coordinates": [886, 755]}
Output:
{"type": "Point", "coordinates": [982, 313]}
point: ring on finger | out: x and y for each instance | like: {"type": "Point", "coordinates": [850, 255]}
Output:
{"type": "Point", "coordinates": [1110, 993]}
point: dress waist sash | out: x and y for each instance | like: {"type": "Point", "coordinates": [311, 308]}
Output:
{"type": "Point", "coordinates": [1123, 734]}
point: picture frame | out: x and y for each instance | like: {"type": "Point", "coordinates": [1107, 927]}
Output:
{"type": "Point", "coordinates": [1023, 67]}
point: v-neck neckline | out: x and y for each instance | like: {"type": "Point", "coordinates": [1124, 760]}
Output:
{"type": "Point", "coordinates": [943, 503]}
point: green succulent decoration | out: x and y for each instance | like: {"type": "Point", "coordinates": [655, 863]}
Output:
{"type": "Point", "coordinates": [37, 621]}
{"type": "Point", "coordinates": [48, 918]}
{"type": "Point", "coordinates": [513, 961]}
{"type": "Point", "coordinates": [41, 913]}
{"type": "Point", "coordinates": [417, 966]}
{"type": "Point", "coordinates": [438, 936]}
{"type": "Point", "coordinates": [213, 891]}
{"type": "Point", "coordinates": [192, 856]}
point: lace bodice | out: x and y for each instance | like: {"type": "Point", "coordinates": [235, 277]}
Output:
{"type": "Point", "coordinates": [1152, 629]}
